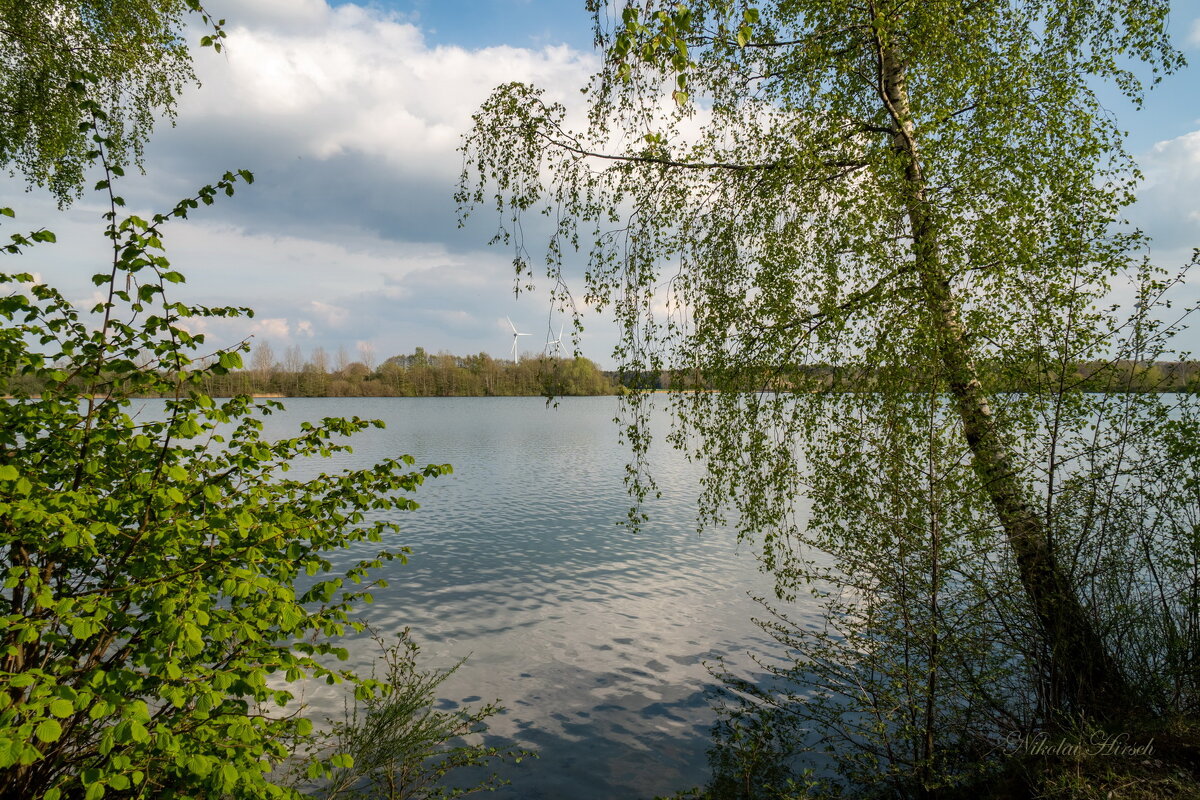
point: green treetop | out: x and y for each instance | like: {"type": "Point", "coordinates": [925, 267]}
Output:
{"type": "Point", "coordinates": [65, 65]}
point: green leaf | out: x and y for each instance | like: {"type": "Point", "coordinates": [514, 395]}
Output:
{"type": "Point", "coordinates": [229, 359]}
{"type": "Point", "coordinates": [199, 765]}
{"type": "Point", "coordinates": [62, 708]}
{"type": "Point", "coordinates": [48, 730]}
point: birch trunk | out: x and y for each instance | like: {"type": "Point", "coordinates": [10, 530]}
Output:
{"type": "Point", "coordinates": [1083, 674]}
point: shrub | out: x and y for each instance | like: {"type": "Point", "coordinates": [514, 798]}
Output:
{"type": "Point", "coordinates": [153, 563]}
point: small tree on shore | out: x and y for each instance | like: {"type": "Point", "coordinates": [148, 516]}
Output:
{"type": "Point", "coordinates": [163, 579]}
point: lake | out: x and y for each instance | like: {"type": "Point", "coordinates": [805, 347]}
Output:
{"type": "Point", "coordinates": [594, 638]}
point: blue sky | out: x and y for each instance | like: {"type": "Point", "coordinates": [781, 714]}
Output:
{"type": "Point", "coordinates": [350, 117]}
{"type": "Point", "coordinates": [485, 23]}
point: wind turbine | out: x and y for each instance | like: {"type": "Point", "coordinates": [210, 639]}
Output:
{"type": "Point", "coordinates": [554, 346]}
{"type": "Point", "coordinates": [516, 357]}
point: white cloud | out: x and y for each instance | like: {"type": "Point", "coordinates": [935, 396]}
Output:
{"type": "Point", "coordinates": [275, 328]}
{"type": "Point", "coordinates": [1168, 206]}
{"type": "Point", "coordinates": [1184, 148]}
{"type": "Point", "coordinates": [325, 82]}
{"type": "Point", "coordinates": [1168, 210]}
{"type": "Point", "coordinates": [232, 261]}
{"type": "Point", "coordinates": [331, 315]}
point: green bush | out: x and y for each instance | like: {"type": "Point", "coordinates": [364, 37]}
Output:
{"type": "Point", "coordinates": [164, 578]}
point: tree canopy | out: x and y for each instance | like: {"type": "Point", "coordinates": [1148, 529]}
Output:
{"type": "Point", "coordinates": [66, 66]}
{"type": "Point", "coordinates": [897, 192]}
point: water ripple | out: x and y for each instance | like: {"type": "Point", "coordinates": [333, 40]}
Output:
{"type": "Point", "coordinates": [593, 637]}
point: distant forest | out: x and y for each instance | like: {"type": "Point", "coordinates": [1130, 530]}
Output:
{"type": "Point", "coordinates": [1090, 376]}
{"type": "Point", "coordinates": [418, 374]}
{"type": "Point", "coordinates": [421, 374]}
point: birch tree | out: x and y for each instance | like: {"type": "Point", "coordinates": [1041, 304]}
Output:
{"type": "Point", "coordinates": [864, 221]}
{"type": "Point", "coordinates": [66, 66]}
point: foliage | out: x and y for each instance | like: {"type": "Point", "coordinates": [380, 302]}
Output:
{"type": "Point", "coordinates": [923, 200]}
{"type": "Point", "coordinates": [163, 577]}
{"type": "Point", "coordinates": [445, 375]}
{"type": "Point", "coordinates": [441, 375]}
{"type": "Point", "coordinates": [752, 757]}
{"type": "Point", "coordinates": [65, 65]}
{"type": "Point", "coordinates": [398, 741]}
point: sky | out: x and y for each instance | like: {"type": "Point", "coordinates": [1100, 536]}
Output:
{"type": "Point", "coordinates": [350, 116]}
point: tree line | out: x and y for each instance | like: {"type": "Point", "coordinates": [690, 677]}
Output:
{"type": "Point", "coordinates": [420, 374]}
{"type": "Point", "coordinates": [1098, 376]}
{"type": "Point", "coordinates": [417, 374]}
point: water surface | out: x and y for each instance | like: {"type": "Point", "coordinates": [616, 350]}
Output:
{"type": "Point", "coordinates": [593, 637]}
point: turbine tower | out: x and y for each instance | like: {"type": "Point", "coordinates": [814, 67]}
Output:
{"type": "Point", "coordinates": [515, 355]}
{"type": "Point", "coordinates": [554, 346]}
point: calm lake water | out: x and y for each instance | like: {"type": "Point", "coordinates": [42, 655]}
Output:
{"type": "Point", "coordinates": [593, 637]}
